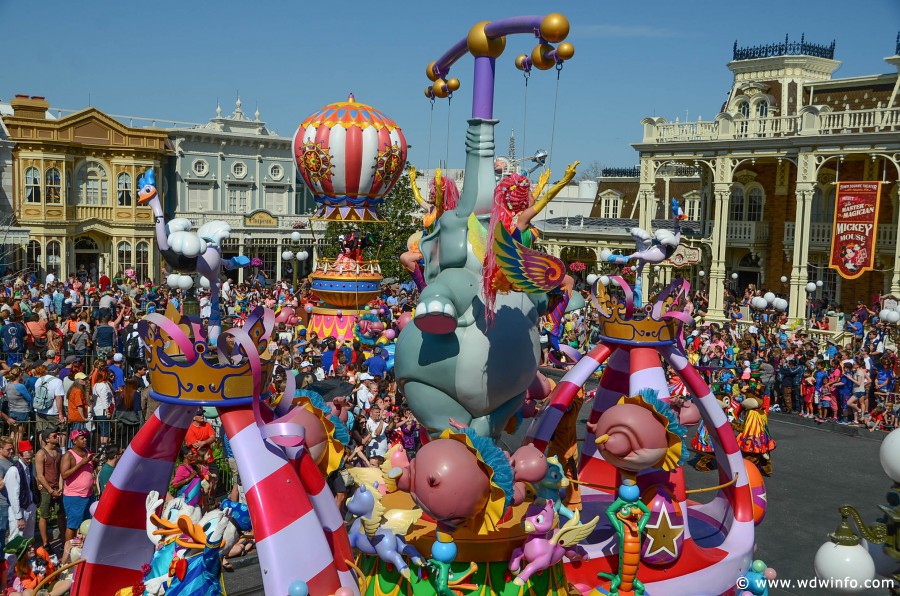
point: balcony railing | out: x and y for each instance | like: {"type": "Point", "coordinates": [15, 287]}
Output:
{"type": "Point", "coordinates": [729, 126]}
{"type": "Point", "coordinates": [820, 236]}
{"type": "Point", "coordinates": [743, 233]}
{"type": "Point", "coordinates": [787, 48]}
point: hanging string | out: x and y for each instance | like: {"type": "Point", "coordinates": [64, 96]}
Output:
{"type": "Point", "coordinates": [447, 151]}
{"type": "Point", "coordinates": [555, 103]}
{"type": "Point", "coordinates": [430, 131]}
{"type": "Point", "coordinates": [527, 75]}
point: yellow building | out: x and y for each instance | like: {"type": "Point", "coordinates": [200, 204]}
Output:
{"type": "Point", "coordinates": [75, 187]}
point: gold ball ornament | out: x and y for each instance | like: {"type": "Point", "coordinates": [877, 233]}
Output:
{"type": "Point", "coordinates": [520, 61]}
{"type": "Point", "coordinates": [453, 84]}
{"type": "Point", "coordinates": [565, 51]}
{"type": "Point", "coordinates": [429, 71]}
{"type": "Point", "coordinates": [479, 44]}
{"type": "Point", "coordinates": [429, 92]}
{"type": "Point", "coordinates": [539, 58]}
{"type": "Point", "coordinates": [440, 88]}
{"type": "Point", "coordinates": [554, 27]}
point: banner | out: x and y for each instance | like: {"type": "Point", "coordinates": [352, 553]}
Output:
{"type": "Point", "coordinates": [855, 225]}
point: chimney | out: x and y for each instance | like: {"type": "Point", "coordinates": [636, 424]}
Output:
{"type": "Point", "coordinates": [34, 107]}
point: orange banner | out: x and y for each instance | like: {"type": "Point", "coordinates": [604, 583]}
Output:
{"type": "Point", "coordinates": [855, 225]}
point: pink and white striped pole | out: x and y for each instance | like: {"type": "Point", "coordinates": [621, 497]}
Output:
{"type": "Point", "coordinates": [117, 545]}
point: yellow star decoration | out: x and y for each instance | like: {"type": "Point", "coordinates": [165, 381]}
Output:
{"type": "Point", "coordinates": [663, 535]}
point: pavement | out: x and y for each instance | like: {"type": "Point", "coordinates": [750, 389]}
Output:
{"type": "Point", "coordinates": [817, 468]}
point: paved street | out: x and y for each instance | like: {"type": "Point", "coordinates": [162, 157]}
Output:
{"type": "Point", "coordinates": [816, 471]}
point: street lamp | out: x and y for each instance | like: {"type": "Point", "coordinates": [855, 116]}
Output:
{"type": "Point", "coordinates": [847, 562]}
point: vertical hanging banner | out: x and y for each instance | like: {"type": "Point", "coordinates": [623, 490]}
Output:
{"type": "Point", "coordinates": [855, 225]}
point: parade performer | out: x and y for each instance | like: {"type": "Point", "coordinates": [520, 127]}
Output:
{"type": "Point", "coordinates": [754, 440]}
{"type": "Point", "coordinates": [443, 195]}
{"type": "Point", "coordinates": [351, 247]}
{"type": "Point", "coordinates": [513, 209]}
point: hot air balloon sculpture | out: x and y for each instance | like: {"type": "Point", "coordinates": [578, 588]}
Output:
{"type": "Point", "coordinates": [350, 155]}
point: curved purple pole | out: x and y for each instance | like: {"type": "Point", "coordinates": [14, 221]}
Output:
{"type": "Point", "coordinates": [483, 86]}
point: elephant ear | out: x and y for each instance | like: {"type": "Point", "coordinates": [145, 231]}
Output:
{"type": "Point", "coordinates": [477, 237]}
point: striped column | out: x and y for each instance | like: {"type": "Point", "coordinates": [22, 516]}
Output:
{"type": "Point", "coordinates": [117, 545]}
{"type": "Point", "coordinates": [728, 455]}
{"type": "Point", "coordinates": [329, 517]}
{"type": "Point", "coordinates": [613, 385]}
{"type": "Point", "coordinates": [289, 537]}
{"type": "Point", "coordinates": [647, 372]}
{"type": "Point", "coordinates": [561, 398]}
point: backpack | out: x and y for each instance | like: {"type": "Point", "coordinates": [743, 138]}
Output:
{"type": "Point", "coordinates": [42, 398]}
{"type": "Point", "coordinates": [133, 347]}
{"type": "Point", "coordinates": [12, 339]}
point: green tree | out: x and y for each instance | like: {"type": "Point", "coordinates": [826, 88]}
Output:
{"type": "Point", "coordinates": [402, 218]}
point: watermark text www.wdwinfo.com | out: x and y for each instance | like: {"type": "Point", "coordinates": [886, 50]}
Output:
{"type": "Point", "coordinates": [816, 582]}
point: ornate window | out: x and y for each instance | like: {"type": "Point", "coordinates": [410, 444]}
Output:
{"type": "Point", "coordinates": [93, 184]}
{"type": "Point", "coordinates": [276, 172]}
{"type": "Point", "coordinates": [823, 205]}
{"type": "Point", "coordinates": [142, 265]}
{"type": "Point", "coordinates": [744, 109]}
{"type": "Point", "coordinates": [610, 204]}
{"type": "Point", "coordinates": [762, 109]}
{"type": "Point", "coordinates": [693, 206]}
{"type": "Point", "coordinates": [85, 243]}
{"type": "Point", "coordinates": [33, 256]}
{"type": "Point", "coordinates": [124, 190]}
{"type": "Point", "coordinates": [755, 200]}
{"type": "Point", "coordinates": [53, 186]}
{"type": "Point", "coordinates": [829, 277]}
{"type": "Point", "coordinates": [736, 207]}
{"type": "Point", "coordinates": [123, 251]}
{"type": "Point", "coordinates": [53, 257]}
{"type": "Point", "coordinates": [275, 198]}
{"type": "Point", "coordinates": [237, 199]}
{"type": "Point", "coordinates": [200, 167]}
{"type": "Point", "coordinates": [239, 169]}
{"type": "Point", "coordinates": [32, 185]}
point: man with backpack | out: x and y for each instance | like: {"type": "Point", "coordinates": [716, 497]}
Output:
{"type": "Point", "coordinates": [133, 350]}
{"type": "Point", "coordinates": [12, 338]}
{"type": "Point", "coordinates": [48, 398]}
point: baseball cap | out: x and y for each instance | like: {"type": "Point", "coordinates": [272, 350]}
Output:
{"type": "Point", "coordinates": [78, 432]}
{"type": "Point", "coordinates": [366, 377]}
{"type": "Point", "coordinates": [45, 434]}
{"type": "Point", "coordinates": [79, 376]}
{"type": "Point", "coordinates": [51, 353]}
{"type": "Point", "coordinates": [70, 360]}
{"type": "Point", "coordinates": [117, 357]}
{"type": "Point", "coordinates": [53, 368]}
{"type": "Point", "coordinates": [305, 363]}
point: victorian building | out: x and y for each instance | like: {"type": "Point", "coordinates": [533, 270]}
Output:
{"type": "Point", "coordinates": [768, 164]}
{"type": "Point", "coordinates": [236, 170]}
{"type": "Point", "coordinates": [73, 185]}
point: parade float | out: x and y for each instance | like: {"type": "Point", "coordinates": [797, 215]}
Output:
{"type": "Point", "coordinates": [466, 515]}
{"type": "Point", "coordinates": [350, 155]}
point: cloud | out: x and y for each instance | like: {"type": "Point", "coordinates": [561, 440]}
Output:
{"type": "Point", "coordinates": [627, 31]}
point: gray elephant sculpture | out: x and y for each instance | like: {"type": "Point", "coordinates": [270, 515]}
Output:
{"type": "Point", "coordinates": [449, 363]}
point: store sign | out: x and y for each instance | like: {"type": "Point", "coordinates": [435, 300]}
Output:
{"type": "Point", "coordinates": [685, 255]}
{"type": "Point", "coordinates": [260, 219]}
{"type": "Point", "coordinates": [855, 225]}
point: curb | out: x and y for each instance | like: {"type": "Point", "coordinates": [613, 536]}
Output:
{"type": "Point", "coordinates": [858, 432]}
{"type": "Point", "coordinates": [246, 561]}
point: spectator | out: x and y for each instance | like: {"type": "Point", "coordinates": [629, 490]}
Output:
{"type": "Point", "coordinates": [77, 471]}
{"type": "Point", "coordinates": [50, 484]}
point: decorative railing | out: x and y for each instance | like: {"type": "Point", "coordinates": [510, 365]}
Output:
{"type": "Point", "coordinates": [634, 172]}
{"type": "Point", "coordinates": [326, 265]}
{"type": "Point", "coordinates": [743, 232]}
{"type": "Point", "coordinates": [729, 127]}
{"type": "Point", "coordinates": [134, 121]}
{"type": "Point", "coordinates": [786, 48]}
{"type": "Point", "coordinates": [820, 235]}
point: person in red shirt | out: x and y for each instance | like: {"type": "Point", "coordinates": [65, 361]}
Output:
{"type": "Point", "coordinates": [200, 437]}
{"type": "Point", "coordinates": [103, 282]}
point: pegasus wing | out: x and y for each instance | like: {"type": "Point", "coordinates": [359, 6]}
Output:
{"type": "Point", "coordinates": [528, 270]}
{"type": "Point", "coordinates": [399, 521]}
{"type": "Point", "coordinates": [642, 238]}
{"type": "Point", "coordinates": [477, 237]}
{"type": "Point", "coordinates": [574, 531]}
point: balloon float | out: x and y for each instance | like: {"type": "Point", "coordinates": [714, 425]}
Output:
{"type": "Point", "coordinates": [350, 155]}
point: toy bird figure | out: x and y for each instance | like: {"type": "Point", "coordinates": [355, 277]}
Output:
{"type": "Point", "coordinates": [652, 249]}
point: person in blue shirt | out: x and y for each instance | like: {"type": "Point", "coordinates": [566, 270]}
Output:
{"type": "Point", "coordinates": [820, 377]}
{"type": "Point", "coordinates": [116, 368]}
{"type": "Point", "coordinates": [12, 338]}
{"type": "Point", "coordinates": [856, 328]}
{"type": "Point", "coordinates": [376, 363]}
{"type": "Point", "coordinates": [884, 378]}
{"type": "Point", "coordinates": [328, 355]}
{"type": "Point", "coordinates": [831, 351]}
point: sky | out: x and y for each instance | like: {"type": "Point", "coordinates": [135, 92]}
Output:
{"type": "Point", "coordinates": [173, 60]}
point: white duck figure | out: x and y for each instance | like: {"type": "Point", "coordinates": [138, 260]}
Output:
{"type": "Point", "coordinates": [652, 249]}
{"type": "Point", "coordinates": [189, 252]}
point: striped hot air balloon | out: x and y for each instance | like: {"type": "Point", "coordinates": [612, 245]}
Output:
{"type": "Point", "coordinates": [350, 155]}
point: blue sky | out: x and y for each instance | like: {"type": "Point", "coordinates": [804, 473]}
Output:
{"type": "Point", "coordinates": [632, 59]}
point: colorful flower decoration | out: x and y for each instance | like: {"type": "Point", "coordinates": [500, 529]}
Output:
{"type": "Point", "coordinates": [256, 262]}
{"type": "Point", "coordinates": [577, 266]}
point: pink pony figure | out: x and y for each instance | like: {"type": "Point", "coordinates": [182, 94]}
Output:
{"type": "Point", "coordinates": [545, 547]}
